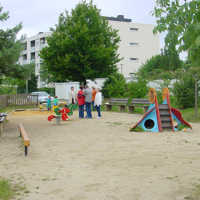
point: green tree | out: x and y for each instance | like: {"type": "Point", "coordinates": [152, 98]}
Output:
{"type": "Point", "coordinates": [160, 67]}
{"type": "Point", "coordinates": [137, 89]}
{"type": "Point", "coordinates": [82, 46]}
{"type": "Point", "coordinates": [27, 72]}
{"type": "Point", "coordinates": [184, 89]}
{"type": "Point", "coordinates": [114, 86]}
{"type": "Point", "coordinates": [181, 22]}
{"type": "Point", "coordinates": [10, 48]}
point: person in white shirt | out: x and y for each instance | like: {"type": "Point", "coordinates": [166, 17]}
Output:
{"type": "Point", "coordinates": [72, 96]}
{"type": "Point", "coordinates": [98, 102]}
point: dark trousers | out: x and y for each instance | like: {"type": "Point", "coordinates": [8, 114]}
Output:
{"type": "Point", "coordinates": [88, 110]}
{"type": "Point", "coordinates": [93, 107]}
{"type": "Point", "coordinates": [98, 110]}
{"type": "Point", "coordinates": [81, 111]}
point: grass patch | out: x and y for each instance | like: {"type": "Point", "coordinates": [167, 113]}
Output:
{"type": "Point", "coordinates": [10, 108]}
{"type": "Point", "coordinates": [9, 191]}
{"type": "Point", "coordinates": [195, 195]}
{"type": "Point", "coordinates": [6, 190]}
{"type": "Point", "coordinates": [137, 129]}
{"type": "Point", "coordinates": [137, 110]}
{"type": "Point", "coordinates": [188, 115]}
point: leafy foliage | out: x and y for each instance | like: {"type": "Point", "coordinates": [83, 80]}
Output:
{"type": "Point", "coordinates": [184, 91]}
{"type": "Point", "coordinates": [114, 86]}
{"type": "Point", "coordinates": [160, 67]}
{"type": "Point", "coordinates": [82, 46]}
{"type": "Point", "coordinates": [10, 48]}
{"type": "Point", "coordinates": [175, 17]}
{"type": "Point", "coordinates": [137, 89]}
{"type": "Point", "coordinates": [180, 20]}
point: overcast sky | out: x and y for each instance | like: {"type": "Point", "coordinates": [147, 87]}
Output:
{"type": "Point", "coordinates": [39, 15]}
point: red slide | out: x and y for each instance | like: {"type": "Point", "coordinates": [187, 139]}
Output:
{"type": "Point", "coordinates": [179, 116]}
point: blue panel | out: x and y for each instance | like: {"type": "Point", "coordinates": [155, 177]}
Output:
{"type": "Point", "coordinates": [150, 107]}
{"type": "Point", "coordinates": [152, 116]}
{"type": "Point", "coordinates": [165, 101]}
{"type": "Point", "coordinates": [177, 120]}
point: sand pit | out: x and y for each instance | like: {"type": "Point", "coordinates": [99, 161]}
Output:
{"type": "Point", "coordinates": [99, 159]}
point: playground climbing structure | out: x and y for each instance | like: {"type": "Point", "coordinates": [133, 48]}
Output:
{"type": "Point", "coordinates": [161, 117]}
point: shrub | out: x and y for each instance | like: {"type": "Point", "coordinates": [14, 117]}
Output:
{"type": "Point", "coordinates": [137, 89]}
{"type": "Point", "coordinates": [184, 92]}
{"type": "Point", "coordinates": [115, 86]}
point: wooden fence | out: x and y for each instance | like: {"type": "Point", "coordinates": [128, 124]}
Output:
{"type": "Point", "coordinates": [18, 99]}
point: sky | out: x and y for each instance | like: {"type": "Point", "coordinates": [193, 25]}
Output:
{"type": "Point", "coordinates": [39, 15]}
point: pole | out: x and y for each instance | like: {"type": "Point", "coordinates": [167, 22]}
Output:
{"type": "Point", "coordinates": [196, 98]}
{"type": "Point", "coordinates": [26, 86]}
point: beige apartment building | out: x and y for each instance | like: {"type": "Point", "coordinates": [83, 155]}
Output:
{"type": "Point", "coordinates": [138, 43]}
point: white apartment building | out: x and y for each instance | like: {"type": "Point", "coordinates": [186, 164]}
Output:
{"type": "Point", "coordinates": [138, 43]}
{"type": "Point", "coordinates": [30, 54]}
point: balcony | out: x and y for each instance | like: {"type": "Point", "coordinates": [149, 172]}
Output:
{"type": "Point", "coordinates": [32, 48]}
{"type": "Point", "coordinates": [24, 62]}
{"type": "Point", "coordinates": [32, 60]}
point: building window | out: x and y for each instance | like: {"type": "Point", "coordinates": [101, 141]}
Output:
{"type": "Point", "coordinates": [24, 57]}
{"type": "Point", "coordinates": [134, 29]}
{"type": "Point", "coordinates": [33, 43]}
{"type": "Point", "coordinates": [24, 46]}
{"type": "Point", "coordinates": [42, 40]}
{"type": "Point", "coordinates": [33, 56]}
{"type": "Point", "coordinates": [134, 59]}
{"type": "Point", "coordinates": [133, 43]}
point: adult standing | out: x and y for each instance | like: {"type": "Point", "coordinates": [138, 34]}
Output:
{"type": "Point", "coordinates": [93, 97]}
{"type": "Point", "coordinates": [72, 96]}
{"type": "Point", "coordinates": [81, 102]}
{"type": "Point", "coordinates": [88, 101]}
{"type": "Point", "coordinates": [98, 102]}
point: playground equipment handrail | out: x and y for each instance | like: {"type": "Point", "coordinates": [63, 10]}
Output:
{"type": "Point", "coordinates": [170, 111]}
{"type": "Point", "coordinates": [157, 113]}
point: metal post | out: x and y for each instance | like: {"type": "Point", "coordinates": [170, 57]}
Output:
{"type": "Point", "coordinates": [26, 150]}
{"type": "Point", "coordinates": [26, 86]}
{"type": "Point", "coordinates": [196, 98]}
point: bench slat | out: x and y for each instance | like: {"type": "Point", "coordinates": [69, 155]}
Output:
{"type": "Point", "coordinates": [24, 135]}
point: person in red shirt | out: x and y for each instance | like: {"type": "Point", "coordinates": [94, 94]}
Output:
{"type": "Point", "coordinates": [64, 112]}
{"type": "Point", "coordinates": [81, 102]}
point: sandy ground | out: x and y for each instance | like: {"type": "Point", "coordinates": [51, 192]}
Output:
{"type": "Point", "coordinates": [99, 159]}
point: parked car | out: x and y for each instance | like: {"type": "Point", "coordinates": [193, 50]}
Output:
{"type": "Point", "coordinates": [42, 96]}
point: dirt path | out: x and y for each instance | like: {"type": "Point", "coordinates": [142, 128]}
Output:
{"type": "Point", "coordinates": [99, 159]}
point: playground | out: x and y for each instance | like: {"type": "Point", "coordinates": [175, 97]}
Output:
{"type": "Point", "coordinates": [99, 159]}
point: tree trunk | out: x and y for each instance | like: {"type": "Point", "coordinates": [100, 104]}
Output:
{"type": "Point", "coordinates": [196, 98]}
{"type": "Point", "coordinates": [26, 86]}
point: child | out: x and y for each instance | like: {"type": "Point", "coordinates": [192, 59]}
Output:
{"type": "Point", "coordinates": [55, 103]}
{"type": "Point", "coordinates": [49, 103]}
{"type": "Point", "coordinates": [64, 112]}
{"type": "Point", "coordinates": [98, 102]}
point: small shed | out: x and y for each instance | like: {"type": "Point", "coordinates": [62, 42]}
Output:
{"type": "Point", "coordinates": [62, 89]}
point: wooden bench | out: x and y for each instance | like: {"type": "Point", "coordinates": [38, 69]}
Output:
{"type": "Point", "coordinates": [123, 103]}
{"type": "Point", "coordinates": [25, 138]}
{"type": "Point", "coordinates": [2, 122]}
{"type": "Point", "coordinates": [137, 102]}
